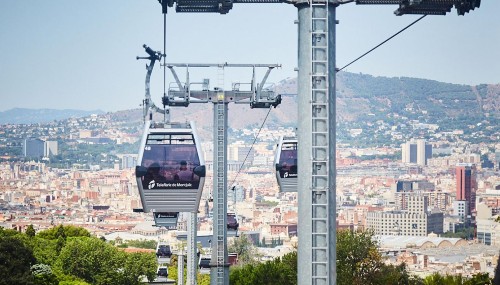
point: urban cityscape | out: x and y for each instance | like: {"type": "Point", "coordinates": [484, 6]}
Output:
{"type": "Point", "coordinates": [431, 203]}
{"type": "Point", "coordinates": [302, 171]}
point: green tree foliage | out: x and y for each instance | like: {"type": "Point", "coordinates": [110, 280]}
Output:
{"type": "Point", "coordinates": [203, 279]}
{"type": "Point", "coordinates": [479, 279]}
{"type": "Point", "coordinates": [149, 244]}
{"type": "Point", "coordinates": [64, 232]}
{"type": "Point", "coordinates": [15, 261]}
{"type": "Point", "coordinates": [135, 266]}
{"type": "Point", "coordinates": [75, 282]}
{"type": "Point", "coordinates": [89, 259]}
{"type": "Point", "coordinates": [465, 233]}
{"type": "Point", "coordinates": [359, 262]}
{"type": "Point", "coordinates": [43, 275]}
{"type": "Point", "coordinates": [8, 232]}
{"type": "Point", "coordinates": [358, 257]}
{"type": "Point", "coordinates": [100, 263]}
{"type": "Point", "coordinates": [30, 231]}
{"type": "Point", "coordinates": [275, 272]}
{"type": "Point", "coordinates": [438, 279]}
{"type": "Point", "coordinates": [45, 251]}
{"type": "Point", "coordinates": [66, 255]}
{"type": "Point", "coordinates": [245, 249]}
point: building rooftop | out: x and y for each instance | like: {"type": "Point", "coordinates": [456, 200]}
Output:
{"type": "Point", "coordinates": [393, 242]}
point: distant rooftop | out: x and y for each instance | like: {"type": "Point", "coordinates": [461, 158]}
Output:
{"type": "Point", "coordinates": [400, 242]}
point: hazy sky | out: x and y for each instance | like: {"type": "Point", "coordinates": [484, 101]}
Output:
{"type": "Point", "coordinates": [68, 54]}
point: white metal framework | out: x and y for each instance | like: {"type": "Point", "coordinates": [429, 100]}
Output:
{"type": "Point", "coordinates": [219, 246]}
{"type": "Point", "coordinates": [256, 97]}
{"type": "Point", "coordinates": [319, 152]}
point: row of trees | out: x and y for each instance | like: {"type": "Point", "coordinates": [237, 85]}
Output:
{"type": "Point", "coordinates": [358, 262]}
{"type": "Point", "coordinates": [67, 255]}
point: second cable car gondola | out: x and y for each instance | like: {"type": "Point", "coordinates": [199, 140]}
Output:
{"type": "Point", "coordinates": [163, 252]}
{"type": "Point", "coordinates": [170, 172]}
{"type": "Point", "coordinates": [232, 224]}
{"type": "Point", "coordinates": [166, 219]}
{"type": "Point", "coordinates": [162, 272]}
{"type": "Point", "coordinates": [204, 263]}
{"type": "Point", "coordinates": [286, 164]}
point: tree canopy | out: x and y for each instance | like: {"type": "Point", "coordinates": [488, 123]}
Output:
{"type": "Point", "coordinates": [67, 256]}
{"type": "Point", "coordinates": [15, 261]}
{"type": "Point", "coordinates": [358, 262]}
{"type": "Point", "coordinates": [245, 249]}
{"type": "Point", "coordinates": [64, 232]}
{"type": "Point", "coordinates": [98, 262]}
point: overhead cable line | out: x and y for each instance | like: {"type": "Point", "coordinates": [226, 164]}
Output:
{"type": "Point", "coordinates": [414, 22]}
{"type": "Point", "coordinates": [164, 53]}
{"type": "Point", "coordinates": [251, 147]}
{"type": "Point", "coordinates": [166, 113]}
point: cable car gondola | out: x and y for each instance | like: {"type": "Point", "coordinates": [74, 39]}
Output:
{"type": "Point", "coordinates": [166, 219]}
{"type": "Point", "coordinates": [170, 172]}
{"type": "Point", "coordinates": [204, 264]}
{"type": "Point", "coordinates": [232, 224]}
{"type": "Point", "coordinates": [286, 164]}
{"type": "Point", "coordinates": [162, 272]}
{"type": "Point", "coordinates": [163, 252]}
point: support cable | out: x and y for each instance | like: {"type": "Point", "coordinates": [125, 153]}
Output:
{"type": "Point", "coordinates": [164, 53]}
{"type": "Point", "coordinates": [251, 147]}
{"type": "Point", "coordinates": [165, 66]}
{"type": "Point", "coordinates": [414, 22]}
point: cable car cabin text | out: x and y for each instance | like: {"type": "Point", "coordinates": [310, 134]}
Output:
{"type": "Point", "coordinates": [286, 164]}
{"type": "Point", "coordinates": [166, 219]}
{"type": "Point", "coordinates": [170, 172]}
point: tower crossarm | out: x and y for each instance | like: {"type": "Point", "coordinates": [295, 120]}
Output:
{"type": "Point", "coordinates": [422, 7]}
{"type": "Point", "coordinates": [426, 7]}
{"type": "Point", "coordinates": [259, 96]}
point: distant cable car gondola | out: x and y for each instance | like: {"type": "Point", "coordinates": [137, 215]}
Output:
{"type": "Point", "coordinates": [166, 219]}
{"type": "Point", "coordinates": [163, 252]}
{"type": "Point", "coordinates": [162, 272]}
{"type": "Point", "coordinates": [170, 172]}
{"type": "Point", "coordinates": [286, 164]}
{"type": "Point", "coordinates": [204, 264]}
{"type": "Point", "coordinates": [232, 224]}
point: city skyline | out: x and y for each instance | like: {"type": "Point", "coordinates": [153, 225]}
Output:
{"type": "Point", "coordinates": [413, 210]}
{"type": "Point", "coordinates": [66, 56]}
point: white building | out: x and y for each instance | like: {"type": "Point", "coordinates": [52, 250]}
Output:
{"type": "Point", "coordinates": [416, 152]}
{"type": "Point", "coordinates": [460, 209]}
{"type": "Point", "coordinates": [488, 230]}
{"type": "Point", "coordinates": [416, 221]}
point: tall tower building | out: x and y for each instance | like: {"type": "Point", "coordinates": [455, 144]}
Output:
{"type": "Point", "coordinates": [50, 148]}
{"type": "Point", "coordinates": [466, 184]}
{"type": "Point", "coordinates": [416, 152]}
{"type": "Point", "coordinates": [37, 148]}
{"type": "Point", "coordinates": [34, 147]}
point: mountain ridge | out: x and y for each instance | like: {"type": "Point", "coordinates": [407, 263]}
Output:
{"type": "Point", "coordinates": [359, 97]}
{"type": "Point", "coordinates": [44, 115]}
